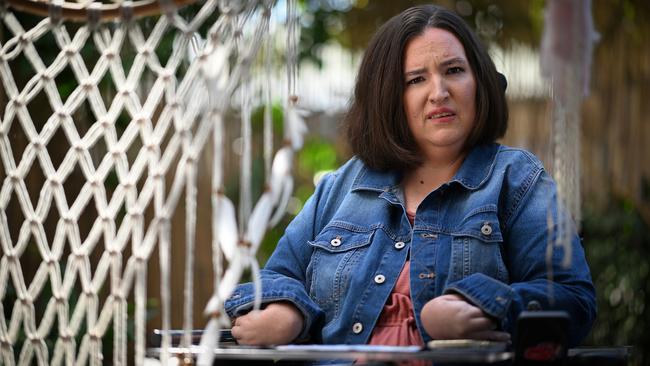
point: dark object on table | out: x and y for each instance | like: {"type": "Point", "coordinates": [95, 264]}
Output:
{"type": "Point", "coordinates": [541, 338]}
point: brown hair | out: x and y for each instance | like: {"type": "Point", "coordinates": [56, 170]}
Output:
{"type": "Point", "coordinates": [377, 127]}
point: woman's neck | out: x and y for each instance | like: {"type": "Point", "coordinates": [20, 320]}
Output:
{"type": "Point", "coordinates": [421, 181]}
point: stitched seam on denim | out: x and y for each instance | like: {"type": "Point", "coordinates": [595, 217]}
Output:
{"type": "Point", "coordinates": [525, 153]}
{"type": "Point", "coordinates": [344, 247]}
{"type": "Point", "coordinates": [485, 209]}
{"type": "Point", "coordinates": [469, 185]}
{"type": "Point", "coordinates": [390, 198]}
{"type": "Point", "coordinates": [491, 207]}
{"type": "Point", "coordinates": [359, 184]}
{"type": "Point", "coordinates": [520, 194]}
{"type": "Point", "coordinates": [339, 224]}
{"type": "Point", "coordinates": [437, 229]}
{"type": "Point", "coordinates": [490, 169]}
{"type": "Point", "coordinates": [312, 287]}
{"type": "Point", "coordinates": [336, 296]}
{"type": "Point", "coordinates": [502, 271]}
{"type": "Point", "coordinates": [456, 272]}
{"type": "Point", "coordinates": [467, 258]}
{"type": "Point", "coordinates": [359, 178]}
{"type": "Point", "coordinates": [324, 197]}
{"type": "Point", "coordinates": [433, 228]}
{"type": "Point", "coordinates": [495, 237]}
{"type": "Point", "coordinates": [366, 188]}
{"type": "Point", "coordinates": [326, 246]}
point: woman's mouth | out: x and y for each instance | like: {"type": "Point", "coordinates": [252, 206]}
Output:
{"type": "Point", "coordinates": [441, 115]}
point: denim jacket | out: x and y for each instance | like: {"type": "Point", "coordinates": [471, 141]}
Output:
{"type": "Point", "coordinates": [483, 235]}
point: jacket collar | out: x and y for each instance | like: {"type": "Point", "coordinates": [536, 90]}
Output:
{"type": "Point", "coordinates": [475, 170]}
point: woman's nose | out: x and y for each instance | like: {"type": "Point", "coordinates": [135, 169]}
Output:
{"type": "Point", "coordinates": [438, 92]}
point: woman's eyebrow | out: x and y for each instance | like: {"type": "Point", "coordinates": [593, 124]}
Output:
{"type": "Point", "coordinates": [446, 63]}
{"type": "Point", "coordinates": [453, 61]}
{"type": "Point", "coordinates": [419, 71]}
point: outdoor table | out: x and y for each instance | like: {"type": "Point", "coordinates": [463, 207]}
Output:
{"type": "Point", "coordinates": [467, 353]}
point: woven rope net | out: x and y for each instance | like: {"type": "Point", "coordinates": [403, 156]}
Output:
{"type": "Point", "coordinates": [134, 125]}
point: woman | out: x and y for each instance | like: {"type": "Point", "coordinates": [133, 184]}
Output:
{"type": "Point", "coordinates": [432, 231]}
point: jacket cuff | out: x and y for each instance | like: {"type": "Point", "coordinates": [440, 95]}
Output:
{"type": "Point", "coordinates": [242, 301]}
{"type": "Point", "coordinates": [490, 295]}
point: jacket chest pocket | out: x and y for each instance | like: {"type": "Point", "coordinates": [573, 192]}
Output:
{"type": "Point", "coordinates": [337, 251]}
{"type": "Point", "coordinates": [476, 246]}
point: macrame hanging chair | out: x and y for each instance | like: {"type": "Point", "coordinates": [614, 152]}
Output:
{"type": "Point", "coordinates": [154, 159]}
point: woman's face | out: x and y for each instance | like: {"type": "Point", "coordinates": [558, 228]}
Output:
{"type": "Point", "coordinates": [440, 92]}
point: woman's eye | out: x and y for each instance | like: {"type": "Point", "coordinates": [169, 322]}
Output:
{"type": "Point", "coordinates": [415, 80]}
{"type": "Point", "coordinates": [455, 70]}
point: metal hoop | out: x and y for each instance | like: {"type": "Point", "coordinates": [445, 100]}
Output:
{"type": "Point", "coordinates": [77, 12]}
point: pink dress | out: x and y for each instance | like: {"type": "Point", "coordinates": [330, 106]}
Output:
{"type": "Point", "coordinates": [396, 325]}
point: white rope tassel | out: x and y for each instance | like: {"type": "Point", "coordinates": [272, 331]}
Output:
{"type": "Point", "coordinates": [209, 342]}
{"type": "Point", "coordinates": [165, 296]}
{"type": "Point", "coordinates": [258, 222]}
{"type": "Point", "coordinates": [246, 170]}
{"type": "Point", "coordinates": [281, 183]}
{"type": "Point", "coordinates": [281, 208]}
{"type": "Point", "coordinates": [190, 232]}
{"type": "Point", "coordinates": [140, 310]}
{"type": "Point", "coordinates": [217, 191]}
{"type": "Point", "coordinates": [226, 227]}
{"type": "Point", "coordinates": [292, 50]}
{"type": "Point", "coordinates": [268, 109]}
{"type": "Point", "coordinates": [295, 126]}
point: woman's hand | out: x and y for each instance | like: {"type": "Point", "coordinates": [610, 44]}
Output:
{"type": "Point", "coordinates": [452, 317]}
{"type": "Point", "coordinates": [277, 323]}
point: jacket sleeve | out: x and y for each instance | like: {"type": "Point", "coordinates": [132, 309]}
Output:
{"type": "Point", "coordinates": [529, 230]}
{"type": "Point", "coordinates": [284, 275]}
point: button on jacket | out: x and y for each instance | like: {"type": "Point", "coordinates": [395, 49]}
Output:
{"type": "Point", "coordinates": [483, 235]}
